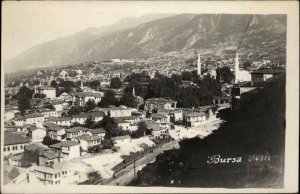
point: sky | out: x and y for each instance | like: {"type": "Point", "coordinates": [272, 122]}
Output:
{"type": "Point", "coordinates": [28, 23]}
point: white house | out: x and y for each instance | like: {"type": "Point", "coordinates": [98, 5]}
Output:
{"type": "Point", "coordinates": [87, 141]}
{"type": "Point", "coordinates": [98, 132]}
{"type": "Point", "coordinates": [54, 131]}
{"type": "Point", "coordinates": [8, 115]}
{"type": "Point", "coordinates": [63, 74]}
{"type": "Point", "coordinates": [48, 113]}
{"type": "Point", "coordinates": [48, 91]}
{"type": "Point", "coordinates": [80, 98]}
{"type": "Point", "coordinates": [35, 119]}
{"type": "Point", "coordinates": [121, 111]}
{"type": "Point", "coordinates": [75, 132]}
{"type": "Point", "coordinates": [36, 134]}
{"type": "Point", "coordinates": [195, 119]}
{"type": "Point", "coordinates": [67, 149]}
{"type": "Point", "coordinates": [13, 144]}
{"type": "Point", "coordinates": [62, 121]}
{"type": "Point", "coordinates": [58, 105]}
{"type": "Point", "coordinates": [66, 97]}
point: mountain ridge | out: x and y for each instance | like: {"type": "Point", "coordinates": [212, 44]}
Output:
{"type": "Point", "coordinates": [209, 33]}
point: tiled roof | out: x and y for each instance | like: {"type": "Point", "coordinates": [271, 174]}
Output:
{"type": "Point", "coordinates": [60, 118]}
{"type": "Point", "coordinates": [161, 116]}
{"type": "Point", "coordinates": [88, 137]}
{"type": "Point", "coordinates": [53, 127]}
{"type": "Point", "coordinates": [76, 129]}
{"type": "Point", "coordinates": [33, 115]}
{"type": "Point", "coordinates": [64, 144]}
{"type": "Point", "coordinates": [196, 114]}
{"type": "Point", "coordinates": [12, 139]}
{"type": "Point", "coordinates": [97, 131]}
{"type": "Point", "coordinates": [268, 71]}
{"type": "Point", "coordinates": [37, 147]}
{"type": "Point", "coordinates": [160, 100]}
{"type": "Point", "coordinates": [152, 125]}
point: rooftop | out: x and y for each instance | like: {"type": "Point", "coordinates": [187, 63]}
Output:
{"type": "Point", "coordinates": [268, 71]}
{"type": "Point", "coordinates": [196, 114]}
{"type": "Point", "coordinates": [46, 88]}
{"type": "Point", "coordinates": [76, 129]}
{"type": "Point", "coordinates": [33, 115]}
{"type": "Point", "coordinates": [157, 115]}
{"type": "Point", "coordinates": [160, 100]}
{"type": "Point", "coordinates": [97, 131]}
{"type": "Point", "coordinates": [12, 139]}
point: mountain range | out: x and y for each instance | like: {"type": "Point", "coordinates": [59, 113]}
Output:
{"type": "Point", "coordinates": [151, 35]}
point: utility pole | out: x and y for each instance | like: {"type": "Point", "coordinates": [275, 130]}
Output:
{"type": "Point", "coordinates": [134, 169]}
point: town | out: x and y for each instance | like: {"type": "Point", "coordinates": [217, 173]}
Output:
{"type": "Point", "coordinates": [100, 122]}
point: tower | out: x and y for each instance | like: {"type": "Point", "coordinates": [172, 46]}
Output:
{"type": "Point", "coordinates": [133, 91]}
{"type": "Point", "coordinates": [236, 67]}
{"type": "Point", "coordinates": [81, 84]}
{"type": "Point", "coordinates": [199, 65]}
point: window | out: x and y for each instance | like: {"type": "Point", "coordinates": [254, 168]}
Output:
{"type": "Point", "coordinates": [8, 148]}
{"type": "Point", "coordinates": [5, 149]}
{"type": "Point", "coordinates": [55, 176]}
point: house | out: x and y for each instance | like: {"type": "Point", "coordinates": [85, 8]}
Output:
{"type": "Point", "coordinates": [48, 112]}
{"type": "Point", "coordinates": [138, 114]}
{"type": "Point", "coordinates": [160, 133]}
{"type": "Point", "coordinates": [35, 119]}
{"type": "Point", "coordinates": [131, 119]}
{"type": "Point", "coordinates": [122, 124]}
{"type": "Point", "coordinates": [36, 134]}
{"type": "Point", "coordinates": [48, 91]}
{"type": "Point", "coordinates": [86, 141]}
{"type": "Point", "coordinates": [58, 106]}
{"type": "Point", "coordinates": [81, 118]}
{"type": "Point", "coordinates": [19, 120]}
{"type": "Point", "coordinates": [54, 131]}
{"type": "Point", "coordinates": [176, 115]}
{"type": "Point", "coordinates": [161, 119]}
{"type": "Point", "coordinates": [59, 174]}
{"type": "Point", "coordinates": [46, 156]}
{"type": "Point", "coordinates": [62, 121]}
{"type": "Point", "coordinates": [66, 149]}
{"type": "Point", "coordinates": [159, 103]}
{"type": "Point", "coordinates": [65, 97]}
{"type": "Point", "coordinates": [222, 101]}
{"type": "Point", "coordinates": [13, 144]}
{"type": "Point", "coordinates": [8, 115]}
{"type": "Point", "coordinates": [63, 74]}
{"type": "Point", "coordinates": [263, 75]}
{"type": "Point", "coordinates": [80, 98]}
{"type": "Point", "coordinates": [98, 132]}
{"type": "Point", "coordinates": [75, 132]}
{"type": "Point", "coordinates": [121, 111]}
{"type": "Point", "coordinates": [195, 119]}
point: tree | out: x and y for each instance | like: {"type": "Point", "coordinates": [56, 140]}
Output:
{"type": "Point", "coordinates": [24, 97]}
{"type": "Point", "coordinates": [141, 131]}
{"type": "Point", "coordinates": [225, 75]}
{"type": "Point", "coordinates": [48, 141]}
{"type": "Point", "coordinates": [53, 84]}
{"type": "Point", "coordinates": [89, 122]}
{"type": "Point", "coordinates": [38, 95]}
{"type": "Point", "coordinates": [89, 105]}
{"type": "Point", "coordinates": [29, 157]}
{"type": "Point", "coordinates": [128, 100]}
{"type": "Point", "coordinates": [75, 110]}
{"type": "Point", "coordinates": [115, 83]}
{"type": "Point", "coordinates": [94, 84]}
{"type": "Point", "coordinates": [108, 99]}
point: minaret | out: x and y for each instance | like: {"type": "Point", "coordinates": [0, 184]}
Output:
{"type": "Point", "coordinates": [133, 91]}
{"type": "Point", "coordinates": [81, 84]}
{"type": "Point", "coordinates": [236, 68]}
{"type": "Point", "coordinates": [199, 65]}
